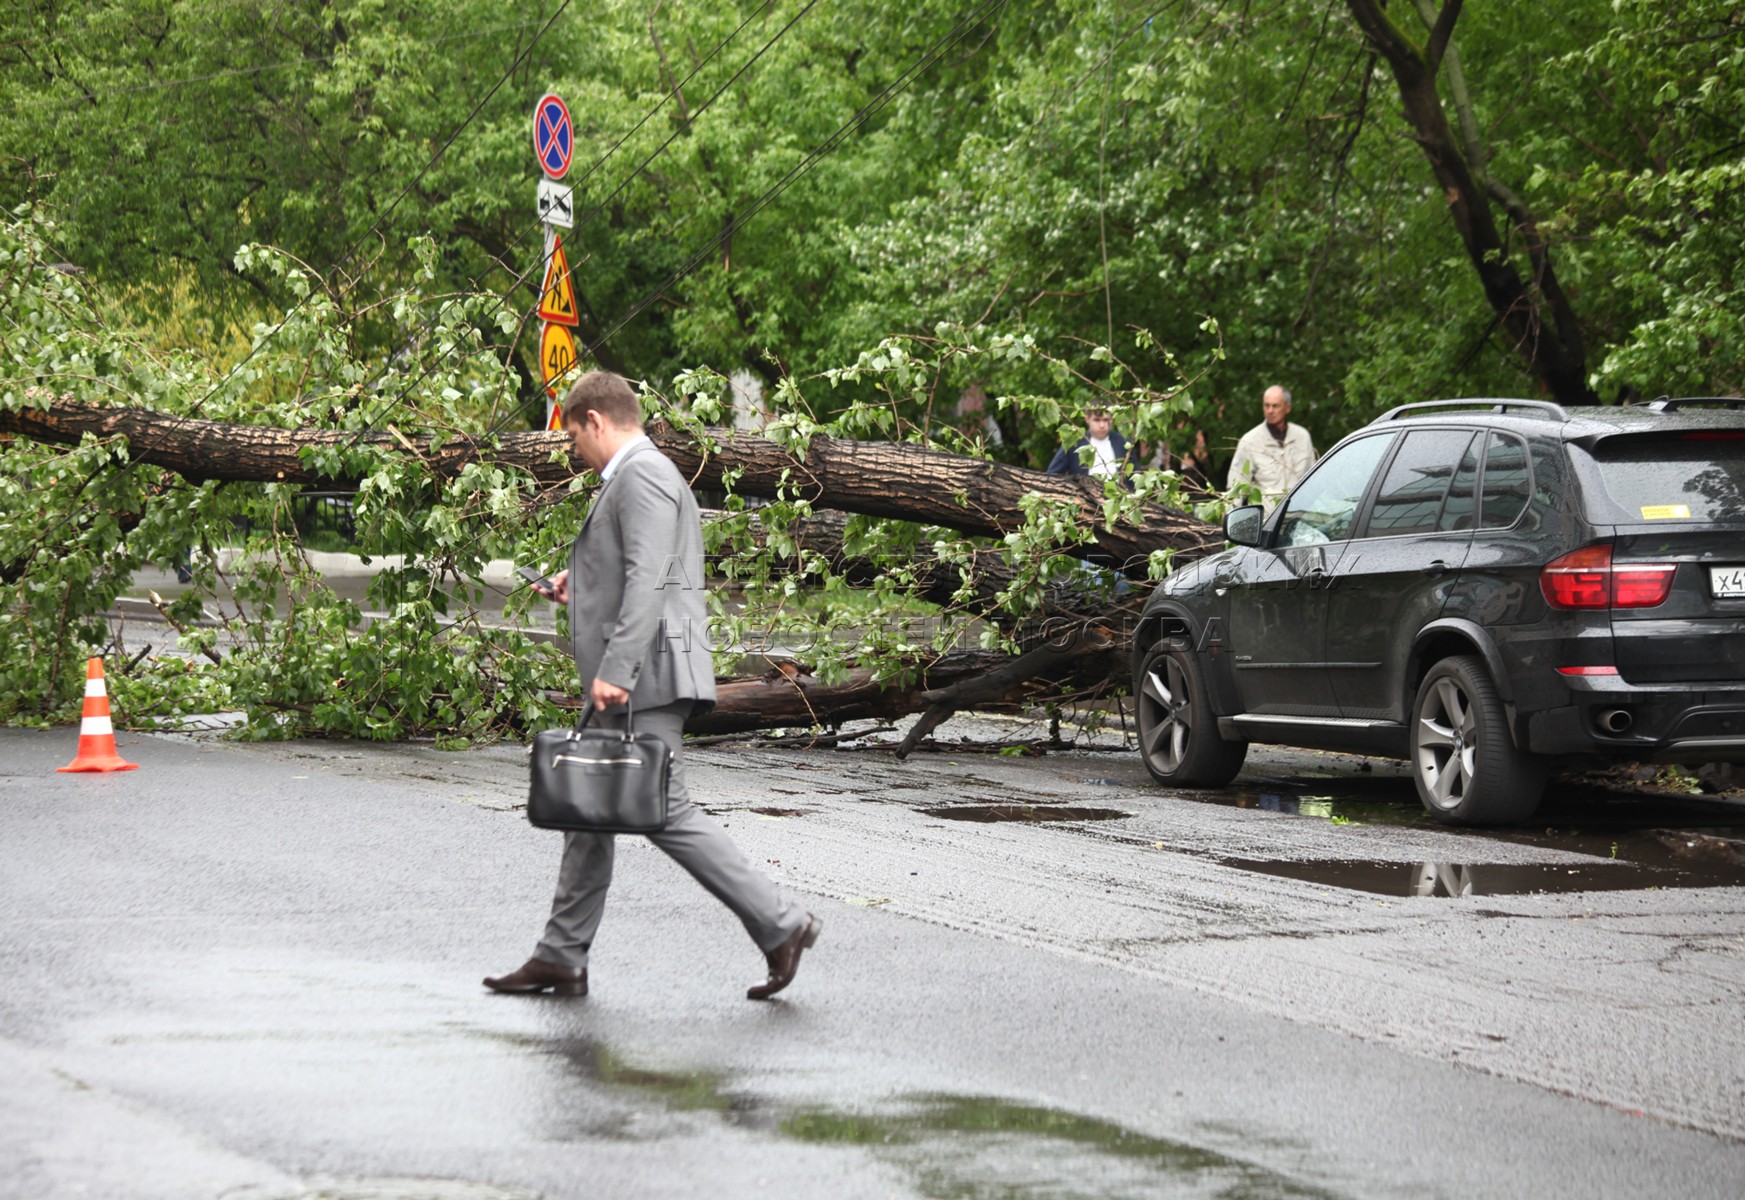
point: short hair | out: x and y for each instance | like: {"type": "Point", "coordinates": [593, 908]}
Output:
{"type": "Point", "coordinates": [1284, 393]}
{"type": "Point", "coordinates": [609, 395]}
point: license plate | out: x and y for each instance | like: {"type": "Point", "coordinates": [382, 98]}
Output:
{"type": "Point", "coordinates": [1727, 582]}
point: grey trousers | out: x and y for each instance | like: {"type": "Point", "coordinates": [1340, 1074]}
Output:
{"type": "Point", "coordinates": [690, 838]}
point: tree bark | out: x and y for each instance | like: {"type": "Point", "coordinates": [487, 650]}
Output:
{"type": "Point", "coordinates": [795, 700]}
{"type": "Point", "coordinates": [1537, 316]}
{"type": "Point", "coordinates": [878, 479]}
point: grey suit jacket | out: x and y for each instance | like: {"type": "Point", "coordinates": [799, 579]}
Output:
{"type": "Point", "coordinates": [638, 614]}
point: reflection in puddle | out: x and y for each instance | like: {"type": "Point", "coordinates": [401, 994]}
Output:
{"type": "Point", "coordinates": [1023, 812]}
{"type": "Point", "coordinates": [959, 1147]}
{"type": "Point", "coordinates": [1333, 808]}
{"type": "Point", "coordinates": [681, 1091]}
{"type": "Point", "coordinates": [1627, 834]}
{"type": "Point", "coordinates": [1652, 858]}
{"type": "Point", "coordinates": [979, 1146]}
{"type": "Point", "coordinates": [1483, 879]}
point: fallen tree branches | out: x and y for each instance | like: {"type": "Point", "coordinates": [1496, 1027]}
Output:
{"type": "Point", "coordinates": [823, 483]}
{"type": "Point", "coordinates": [880, 479]}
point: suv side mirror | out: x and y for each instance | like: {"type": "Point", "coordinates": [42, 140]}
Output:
{"type": "Point", "coordinates": [1243, 525]}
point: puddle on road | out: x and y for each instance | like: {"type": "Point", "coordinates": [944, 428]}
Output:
{"type": "Point", "coordinates": [1343, 809]}
{"type": "Point", "coordinates": [1634, 857]}
{"type": "Point", "coordinates": [1453, 880]}
{"type": "Point", "coordinates": [1635, 836]}
{"type": "Point", "coordinates": [955, 1147]}
{"type": "Point", "coordinates": [979, 1146]}
{"type": "Point", "coordinates": [680, 1091]}
{"type": "Point", "coordinates": [1023, 812]}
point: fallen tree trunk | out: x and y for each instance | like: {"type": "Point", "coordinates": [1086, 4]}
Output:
{"type": "Point", "coordinates": [879, 479]}
{"type": "Point", "coordinates": [790, 698]}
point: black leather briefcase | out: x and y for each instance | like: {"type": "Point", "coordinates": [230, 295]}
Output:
{"type": "Point", "coordinates": [599, 780]}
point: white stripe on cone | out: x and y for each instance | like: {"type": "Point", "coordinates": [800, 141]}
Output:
{"type": "Point", "coordinates": [95, 726]}
{"type": "Point", "coordinates": [94, 687]}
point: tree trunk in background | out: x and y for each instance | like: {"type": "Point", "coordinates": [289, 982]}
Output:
{"type": "Point", "coordinates": [1536, 315]}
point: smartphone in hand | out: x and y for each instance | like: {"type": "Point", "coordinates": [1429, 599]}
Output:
{"type": "Point", "coordinates": [541, 583]}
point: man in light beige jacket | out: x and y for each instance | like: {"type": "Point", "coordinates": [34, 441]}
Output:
{"type": "Point", "coordinates": [1274, 455]}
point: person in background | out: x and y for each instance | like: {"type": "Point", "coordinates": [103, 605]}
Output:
{"type": "Point", "coordinates": [1195, 465]}
{"type": "Point", "coordinates": [974, 419]}
{"type": "Point", "coordinates": [1109, 450]}
{"type": "Point", "coordinates": [1274, 455]}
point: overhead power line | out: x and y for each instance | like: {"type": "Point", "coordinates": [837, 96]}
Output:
{"type": "Point", "coordinates": [640, 168]}
{"type": "Point", "coordinates": [395, 204]}
{"type": "Point", "coordinates": [824, 148]}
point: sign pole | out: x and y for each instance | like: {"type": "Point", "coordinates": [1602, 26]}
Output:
{"type": "Point", "coordinates": [553, 407]}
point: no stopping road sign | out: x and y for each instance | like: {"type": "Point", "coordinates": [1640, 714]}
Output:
{"type": "Point", "coordinates": [553, 139]}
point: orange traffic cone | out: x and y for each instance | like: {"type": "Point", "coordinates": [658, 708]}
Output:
{"type": "Point", "coordinates": [96, 734]}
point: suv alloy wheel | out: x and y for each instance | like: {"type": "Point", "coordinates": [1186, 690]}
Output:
{"type": "Point", "coordinates": [1178, 733]}
{"type": "Point", "coordinates": [1464, 761]}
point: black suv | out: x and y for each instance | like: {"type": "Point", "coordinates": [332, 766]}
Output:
{"type": "Point", "coordinates": [1480, 587]}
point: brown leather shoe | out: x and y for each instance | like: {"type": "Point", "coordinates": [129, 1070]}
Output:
{"type": "Point", "coordinates": [784, 960]}
{"type": "Point", "coordinates": [536, 975]}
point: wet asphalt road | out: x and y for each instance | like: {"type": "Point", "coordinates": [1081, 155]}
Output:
{"type": "Point", "coordinates": [252, 972]}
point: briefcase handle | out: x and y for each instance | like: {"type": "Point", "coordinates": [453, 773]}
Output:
{"type": "Point", "coordinates": [588, 710]}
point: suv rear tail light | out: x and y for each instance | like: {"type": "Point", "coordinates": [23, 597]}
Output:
{"type": "Point", "coordinates": [1586, 578]}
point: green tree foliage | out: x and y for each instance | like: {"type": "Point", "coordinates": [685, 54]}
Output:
{"type": "Point", "coordinates": [1657, 200]}
{"type": "Point", "coordinates": [1078, 169]}
{"type": "Point", "coordinates": [76, 523]}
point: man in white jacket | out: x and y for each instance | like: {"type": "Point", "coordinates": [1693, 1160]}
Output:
{"type": "Point", "coordinates": [1275, 454]}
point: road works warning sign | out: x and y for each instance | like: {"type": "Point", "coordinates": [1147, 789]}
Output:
{"type": "Point", "coordinates": [557, 295]}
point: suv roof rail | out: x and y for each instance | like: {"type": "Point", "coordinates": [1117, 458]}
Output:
{"type": "Point", "coordinates": [1544, 408]}
{"type": "Point", "coordinates": [1666, 404]}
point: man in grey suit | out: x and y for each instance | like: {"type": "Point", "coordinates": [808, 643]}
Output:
{"type": "Point", "coordinates": [638, 631]}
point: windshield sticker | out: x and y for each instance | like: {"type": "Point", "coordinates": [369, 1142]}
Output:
{"type": "Point", "coordinates": [1665, 512]}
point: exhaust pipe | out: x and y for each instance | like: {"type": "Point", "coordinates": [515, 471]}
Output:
{"type": "Point", "coordinates": [1614, 720]}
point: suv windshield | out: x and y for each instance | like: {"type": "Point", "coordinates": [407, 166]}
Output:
{"type": "Point", "coordinates": [1693, 476]}
{"type": "Point", "coordinates": [1322, 508]}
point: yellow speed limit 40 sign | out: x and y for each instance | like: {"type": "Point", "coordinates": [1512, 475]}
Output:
{"type": "Point", "coordinates": [557, 358]}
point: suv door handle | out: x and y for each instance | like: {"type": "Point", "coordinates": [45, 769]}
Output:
{"type": "Point", "coordinates": [1436, 568]}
